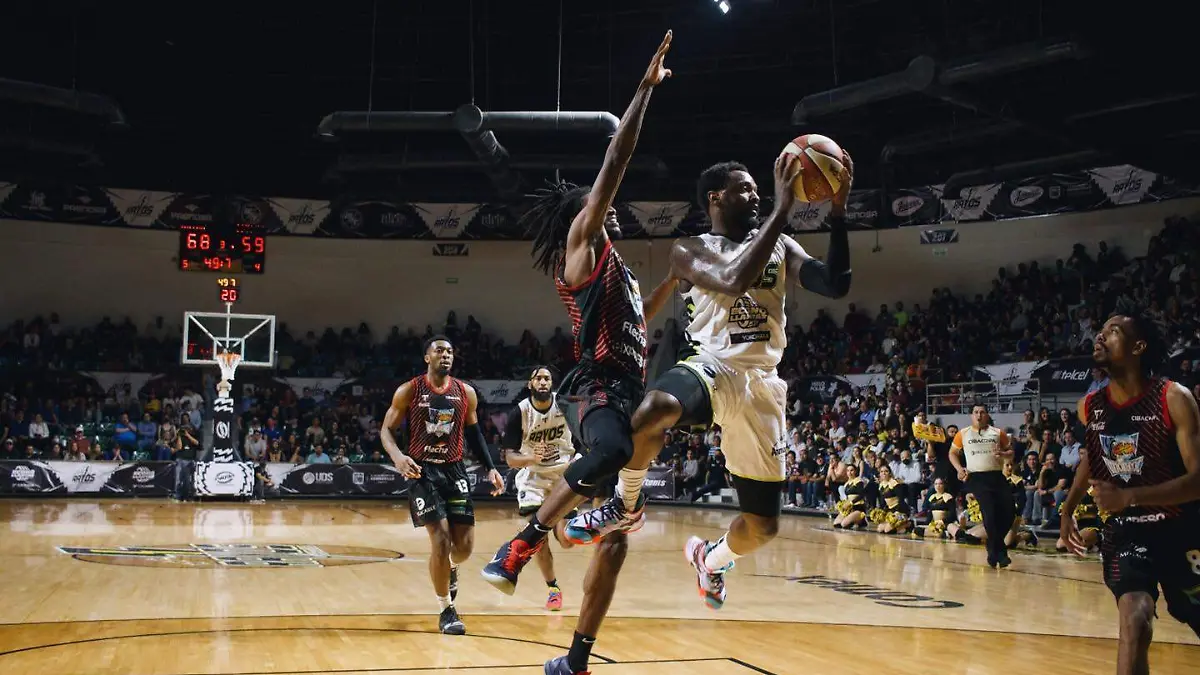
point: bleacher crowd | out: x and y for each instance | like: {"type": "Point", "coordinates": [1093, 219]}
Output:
{"type": "Point", "coordinates": [1032, 312]}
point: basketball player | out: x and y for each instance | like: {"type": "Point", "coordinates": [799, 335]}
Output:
{"type": "Point", "coordinates": [985, 449]}
{"type": "Point", "coordinates": [608, 320]}
{"type": "Point", "coordinates": [441, 413]}
{"type": "Point", "coordinates": [1143, 465]}
{"type": "Point", "coordinates": [538, 442]}
{"type": "Point", "coordinates": [734, 281]}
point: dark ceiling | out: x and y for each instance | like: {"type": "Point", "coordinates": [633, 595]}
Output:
{"type": "Point", "coordinates": [227, 97]}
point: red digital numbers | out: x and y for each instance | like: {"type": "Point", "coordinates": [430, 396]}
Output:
{"type": "Point", "coordinates": [198, 242]}
{"type": "Point", "coordinates": [254, 244]}
{"type": "Point", "coordinates": [229, 295]}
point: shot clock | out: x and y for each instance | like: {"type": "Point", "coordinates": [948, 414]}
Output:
{"type": "Point", "coordinates": [228, 290]}
{"type": "Point", "coordinates": [207, 248]}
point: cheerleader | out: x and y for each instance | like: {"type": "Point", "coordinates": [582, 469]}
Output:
{"type": "Point", "coordinates": [852, 511]}
{"type": "Point", "coordinates": [1018, 534]}
{"type": "Point", "coordinates": [1089, 519]}
{"type": "Point", "coordinates": [893, 515]}
{"type": "Point", "coordinates": [943, 508]}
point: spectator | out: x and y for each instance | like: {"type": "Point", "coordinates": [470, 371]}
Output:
{"type": "Point", "coordinates": [125, 434]}
{"type": "Point", "coordinates": [1068, 454]}
{"type": "Point", "coordinates": [147, 432]}
{"type": "Point", "coordinates": [255, 446]}
{"type": "Point", "coordinates": [1053, 483]}
{"type": "Point", "coordinates": [318, 456]}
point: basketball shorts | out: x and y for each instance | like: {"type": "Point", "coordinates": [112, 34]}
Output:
{"type": "Point", "coordinates": [749, 405]}
{"type": "Point", "coordinates": [1142, 557]}
{"type": "Point", "coordinates": [443, 492]}
{"type": "Point", "coordinates": [590, 386]}
{"type": "Point", "coordinates": [534, 483]}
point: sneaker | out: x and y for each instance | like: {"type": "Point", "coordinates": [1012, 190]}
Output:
{"type": "Point", "coordinates": [559, 666]}
{"type": "Point", "coordinates": [453, 583]}
{"type": "Point", "coordinates": [449, 623]}
{"type": "Point", "coordinates": [554, 602]}
{"type": "Point", "coordinates": [503, 570]}
{"type": "Point", "coordinates": [1004, 562]}
{"type": "Point", "coordinates": [591, 527]}
{"type": "Point", "coordinates": [710, 583]}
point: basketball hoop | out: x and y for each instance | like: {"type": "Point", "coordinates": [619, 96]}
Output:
{"type": "Point", "coordinates": [228, 363]}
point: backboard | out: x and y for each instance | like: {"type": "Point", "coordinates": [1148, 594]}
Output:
{"type": "Point", "coordinates": [206, 334]}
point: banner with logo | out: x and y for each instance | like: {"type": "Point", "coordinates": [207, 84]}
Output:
{"type": "Point", "coordinates": [1055, 376]}
{"type": "Point", "coordinates": [223, 479]}
{"type": "Point", "coordinates": [108, 381]}
{"type": "Point", "coordinates": [142, 479]}
{"type": "Point", "coordinates": [498, 392]}
{"type": "Point", "coordinates": [364, 217]}
{"type": "Point", "coordinates": [659, 484]}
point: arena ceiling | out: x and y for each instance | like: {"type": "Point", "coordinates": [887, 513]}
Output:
{"type": "Point", "coordinates": [228, 97]}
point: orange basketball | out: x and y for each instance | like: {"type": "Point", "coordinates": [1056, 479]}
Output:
{"type": "Point", "coordinates": [821, 167]}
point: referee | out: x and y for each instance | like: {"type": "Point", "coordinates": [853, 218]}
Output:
{"type": "Point", "coordinates": [984, 449]}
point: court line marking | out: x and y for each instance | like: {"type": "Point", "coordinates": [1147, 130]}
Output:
{"type": "Point", "coordinates": [836, 624]}
{"type": "Point", "coordinates": [288, 629]}
{"type": "Point", "coordinates": [405, 669]}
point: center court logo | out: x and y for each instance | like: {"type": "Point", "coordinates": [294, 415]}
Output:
{"type": "Point", "coordinates": [232, 555]}
{"type": "Point", "coordinates": [881, 596]}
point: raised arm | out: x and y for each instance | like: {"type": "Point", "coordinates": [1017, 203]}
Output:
{"type": "Point", "coordinates": [391, 421]}
{"type": "Point", "coordinates": [588, 225]}
{"type": "Point", "coordinates": [695, 263]}
{"type": "Point", "coordinates": [829, 277]}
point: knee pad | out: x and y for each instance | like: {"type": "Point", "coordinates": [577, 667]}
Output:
{"type": "Point", "coordinates": [605, 458]}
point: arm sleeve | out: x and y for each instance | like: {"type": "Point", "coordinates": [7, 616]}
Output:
{"type": "Point", "coordinates": [830, 277]}
{"type": "Point", "coordinates": [513, 436]}
{"type": "Point", "coordinates": [474, 439]}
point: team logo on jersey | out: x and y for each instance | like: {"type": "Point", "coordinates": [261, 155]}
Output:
{"type": "Point", "coordinates": [1121, 455]}
{"type": "Point", "coordinates": [440, 422]}
{"type": "Point", "coordinates": [747, 313]}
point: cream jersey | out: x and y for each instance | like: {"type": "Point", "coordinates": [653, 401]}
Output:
{"type": "Point", "coordinates": [542, 429]}
{"type": "Point", "coordinates": [978, 446]}
{"type": "Point", "coordinates": [744, 331]}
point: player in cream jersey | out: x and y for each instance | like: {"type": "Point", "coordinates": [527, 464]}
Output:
{"type": "Point", "coordinates": [734, 280]}
{"type": "Point", "coordinates": [538, 442]}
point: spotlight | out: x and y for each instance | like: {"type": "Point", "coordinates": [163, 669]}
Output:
{"type": "Point", "coordinates": [722, 5]}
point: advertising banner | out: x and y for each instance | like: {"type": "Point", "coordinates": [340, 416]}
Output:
{"type": "Point", "coordinates": [140, 479]}
{"type": "Point", "coordinates": [659, 484]}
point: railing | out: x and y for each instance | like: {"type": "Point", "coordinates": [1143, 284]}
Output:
{"type": "Point", "coordinates": [1003, 396]}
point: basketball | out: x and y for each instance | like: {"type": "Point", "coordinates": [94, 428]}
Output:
{"type": "Point", "coordinates": [821, 167]}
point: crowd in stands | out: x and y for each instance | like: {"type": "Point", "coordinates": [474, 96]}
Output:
{"type": "Point", "coordinates": [1032, 312]}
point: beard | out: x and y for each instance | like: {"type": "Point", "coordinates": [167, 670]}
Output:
{"type": "Point", "coordinates": [540, 396]}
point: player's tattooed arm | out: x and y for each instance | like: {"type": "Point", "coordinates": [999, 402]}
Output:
{"type": "Point", "coordinates": [1185, 419]}
{"type": "Point", "coordinates": [588, 227]}
{"type": "Point", "coordinates": [392, 420]}
{"type": "Point", "coordinates": [693, 261]}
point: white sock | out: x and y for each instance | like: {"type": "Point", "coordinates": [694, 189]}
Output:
{"type": "Point", "coordinates": [719, 556]}
{"type": "Point", "coordinates": [453, 566]}
{"type": "Point", "coordinates": [444, 601]}
{"type": "Point", "coordinates": [629, 484]}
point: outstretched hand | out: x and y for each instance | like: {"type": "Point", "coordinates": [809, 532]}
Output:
{"type": "Point", "coordinates": [843, 192]}
{"type": "Point", "coordinates": [656, 73]}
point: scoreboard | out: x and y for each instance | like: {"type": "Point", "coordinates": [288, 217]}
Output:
{"type": "Point", "coordinates": [236, 250]}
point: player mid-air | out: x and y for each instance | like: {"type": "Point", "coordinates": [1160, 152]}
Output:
{"type": "Point", "coordinates": [574, 226]}
{"type": "Point", "coordinates": [1143, 465]}
{"type": "Point", "coordinates": [538, 443]}
{"type": "Point", "coordinates": [734, 281]}
{"type": "Point", "coordinates": [440, 412]}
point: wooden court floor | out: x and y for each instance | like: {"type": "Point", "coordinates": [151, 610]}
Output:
{"type": "Point", "coordinates": [155, 588]}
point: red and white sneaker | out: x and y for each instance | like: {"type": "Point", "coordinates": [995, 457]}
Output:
{"type": "Point", "coordinates": [555, 601]}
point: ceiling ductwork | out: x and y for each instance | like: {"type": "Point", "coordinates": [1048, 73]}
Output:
{"type": "Point", "coordinates": [925, 75]}
{"type": "Point", "coordinates": [475, 126]}
{"type": "Point", "coordinates": [84, 103]}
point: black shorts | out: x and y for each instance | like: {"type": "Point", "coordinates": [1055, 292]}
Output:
{"type": "Point", "coordinates": [443, 492]}
{"type": "Point", "coordinates": [758, 498]}
{"type": "Point", "coordinates": [589, 386]}
{"type": "Point", "coordinates": [1141, 557]}
{"type": "Point", "coordinates": [682, 383]}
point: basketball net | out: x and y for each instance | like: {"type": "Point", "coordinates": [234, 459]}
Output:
{"type": "Point", "coordinates": [228, 363]}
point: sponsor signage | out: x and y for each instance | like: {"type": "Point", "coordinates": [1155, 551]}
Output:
{"type": "Point", "coordinates": [139, 479]}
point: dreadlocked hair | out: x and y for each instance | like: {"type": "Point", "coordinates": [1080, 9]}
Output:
{"type": "Point", "coordinates": [548, 220]}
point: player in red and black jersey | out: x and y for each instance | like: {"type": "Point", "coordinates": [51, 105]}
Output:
{"type": "Point", "coordinates": [441, 416]}
{"type": "Point", "coordinates": [1143, 463]}
{"type": "Point", "coordinates": [574, 230]}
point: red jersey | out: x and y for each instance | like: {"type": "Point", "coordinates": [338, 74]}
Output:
{"type": "Point", "coordinates": [436, 420]}
{"type": "Point", "coordinates": [1133, 444]}
{"type": "Point", "coordinates": [607, 320]}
